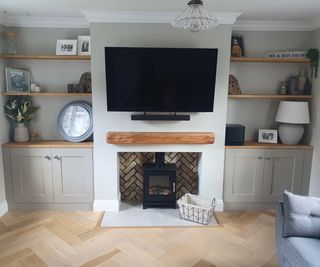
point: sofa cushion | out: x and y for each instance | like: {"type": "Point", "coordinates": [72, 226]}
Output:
{"type": "Point", "coordinates": [301, 251]}
{"type": "Point", "coordinates": [301, 216]}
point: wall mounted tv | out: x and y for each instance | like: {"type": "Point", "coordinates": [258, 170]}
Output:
{"type": "Point", "coordinates": [160, 79]}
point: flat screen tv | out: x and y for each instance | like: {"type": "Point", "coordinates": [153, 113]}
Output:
{"type": "Point", "coordinates": [160, 79]}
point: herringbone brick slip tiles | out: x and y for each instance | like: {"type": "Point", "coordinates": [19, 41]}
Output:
{"type": "Point", "coordinates": [131, 174]}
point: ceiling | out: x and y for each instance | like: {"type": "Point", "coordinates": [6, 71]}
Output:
{"type": "Point", "coordinates": [250, 9]}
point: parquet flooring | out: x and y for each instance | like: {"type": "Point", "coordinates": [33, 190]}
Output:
{"type": "Point", "coordinates": [53, 238]}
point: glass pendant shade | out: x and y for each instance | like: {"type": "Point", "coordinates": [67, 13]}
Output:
{"type": "Point", "coordinates": [195, 18]}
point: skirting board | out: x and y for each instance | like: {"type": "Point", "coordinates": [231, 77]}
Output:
{"type": "Point", "coordinates": [219, 205]}
{"type": "Point", "coordinates": [3, 208]}
{"type": "Point", "coordinates": [248, 206]}
{"type": "Point", "coordinates": [106, 205]}
{"type": "Point", "coordinates": [114, 205]}
{"type": "Point", "coordinates": [38, 206]}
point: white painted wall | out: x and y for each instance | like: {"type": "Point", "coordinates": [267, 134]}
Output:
{"type": "Point", "coordinates": [263, 78]}
{"type": "Point", "coordinates": [105, 155]}
{"type": "Point", "coordinates": [315, 127]}
{"type": "Point", "coordinates": [51, 75]}
{"type": "Point", "coordinates": [3, 130]}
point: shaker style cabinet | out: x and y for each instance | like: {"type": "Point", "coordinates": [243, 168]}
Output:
{"type": "Point", "coordinates": [72, 175]}
{"type": "Point", "coordinates": [50, 175]}
{"type": "Point", "coordinates": [261, 175]}
{"type": "Point", "coordinates": [31, 175]}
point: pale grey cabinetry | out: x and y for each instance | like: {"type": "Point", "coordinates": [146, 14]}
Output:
{"type": "Point", "coordinates": [261, 175]}
{"type": "Point", "coordinates": [243, 175]}
{"type": "Point", "coordinates": [283, 169]}
{"type": "Point", "coordinates": [49, 176]}
{"type": "Point", "coordinates": [72, 175]}
{"type": "Point", "coordinates": [31, 175]}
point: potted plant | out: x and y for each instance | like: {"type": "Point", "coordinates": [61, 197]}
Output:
{"type": "Point", "coordinates": [21, 110]}
{"type": "Point", "coordinates": [313, 55]}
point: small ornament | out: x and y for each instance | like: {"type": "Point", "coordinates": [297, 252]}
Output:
{"type": "Point", "coordinates": [234, 88]}
{"type": "Point", "coordinates": [85, 82]}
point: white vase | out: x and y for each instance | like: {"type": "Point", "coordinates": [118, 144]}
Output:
{"type": "Point", "coordinates": [21, 133]}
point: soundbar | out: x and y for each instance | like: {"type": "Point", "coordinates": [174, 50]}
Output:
{"type": "Point", "coordinates": [159, 117]}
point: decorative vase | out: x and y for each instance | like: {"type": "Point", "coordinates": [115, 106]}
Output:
{"type": "Point", "coordinates": [21, 133]}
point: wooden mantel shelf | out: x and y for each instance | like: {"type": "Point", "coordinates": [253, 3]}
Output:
{"type": "Point", "coordinates": [48, 144]}
{"type": "Point", "coordinates": [160, 138]}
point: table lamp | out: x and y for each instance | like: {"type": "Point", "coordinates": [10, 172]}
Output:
{"type": "Point", "coordinates": [292, 114]}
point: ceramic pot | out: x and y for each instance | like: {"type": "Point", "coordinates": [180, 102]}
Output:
{"type": "Point", "coordinates": [21, 133]}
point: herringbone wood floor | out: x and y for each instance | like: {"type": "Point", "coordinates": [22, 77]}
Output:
{"type": "Point", "coordinates": [51, 238]}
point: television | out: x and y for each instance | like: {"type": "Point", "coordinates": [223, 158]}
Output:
{"type": "Point", "coordinates": [160, 79]}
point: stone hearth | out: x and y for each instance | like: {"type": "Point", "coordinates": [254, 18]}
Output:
{"type": "Point", "coordinates": [131, 174]}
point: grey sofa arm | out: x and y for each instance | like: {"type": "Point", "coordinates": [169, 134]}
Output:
{"type": "Point", "coordinates": [279, 231]}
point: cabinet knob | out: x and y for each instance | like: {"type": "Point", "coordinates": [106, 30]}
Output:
{"type": "Point", "coordinates": [260, 157]}
{"type": "Point", "coordinates": [56, 157]}
{"type": "Point", "coordinates": [269, 158]}
{"type": "Point", "coordinates": [47, 157]}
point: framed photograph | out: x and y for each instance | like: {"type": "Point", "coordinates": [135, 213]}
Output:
{"type": "Point", "coordinates": [268, 136]}
{"type": "Point", "coordinates": [66, 47]}
{"type": "Point", "coordinates": [237, 46]}
{"type": "Point", "coordinates": [84, 45]}
{"type": "Point", "coordinates": [17, 80]}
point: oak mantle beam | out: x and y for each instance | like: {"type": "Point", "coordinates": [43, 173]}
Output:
{"type": "Point", "coordinates": [123, 138]}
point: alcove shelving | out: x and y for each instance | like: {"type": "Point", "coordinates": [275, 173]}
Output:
{"type": "Point", "coordinates": [255, 96]}
{"type": "Point", "coordinates": [49, 58]}
{"type": "Point", "coordinates": [271, 97]}
{"type": "Point", "coordinates": [45, 57]}
{"type": "Point", "coordinates": [47, 94]}
{"type": "Point", "coordinates": [269, 60]}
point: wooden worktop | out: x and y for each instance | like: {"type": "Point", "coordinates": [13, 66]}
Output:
{"type": "Point", "coordinates": [48, 144]}
{"type": "Point", "coordinates": [256, 145]}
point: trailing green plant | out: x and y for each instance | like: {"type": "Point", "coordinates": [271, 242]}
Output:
{"type": "Point", "coordinates": [313, 55]}
{"type": "Point", "coordinates": [20, 109]}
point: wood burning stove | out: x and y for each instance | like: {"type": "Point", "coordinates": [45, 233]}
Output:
{"type": "Point", "coordinates": [159, 183]}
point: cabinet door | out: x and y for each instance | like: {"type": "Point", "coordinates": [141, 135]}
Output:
{"type": "Point", "coordinates": [72, 175]}
{"type": "Point", "coordinates": [31, 175]}
{"type": "Point", "coordinates": [243, 175]}
{"type": "Point", "coordinates": [283, 170]}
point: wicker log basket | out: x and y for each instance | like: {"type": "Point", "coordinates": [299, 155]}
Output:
{"type": "Point", "coordinates": [196, 209]}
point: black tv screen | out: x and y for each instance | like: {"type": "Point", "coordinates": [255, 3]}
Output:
{"type": "Point", "coordinates": [160, 79]}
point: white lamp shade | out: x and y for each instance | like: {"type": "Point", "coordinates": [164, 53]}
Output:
{"type": "Point", "coordinates": [293, 112]}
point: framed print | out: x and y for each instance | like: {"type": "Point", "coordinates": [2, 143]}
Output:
{"type": "Point", "coordinates": [66, 47]}
{"type": "Point", "coordinates": [237, 46]}
{"type": "Point", "coordinates": [268, 136]}
{"type": "Point", "coordinates": [84, 45]}
{"type": "Point", "coordinates": [17, 80]}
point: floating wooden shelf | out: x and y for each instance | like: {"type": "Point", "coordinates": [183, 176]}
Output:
{"type": "Point", "coordinates": [48, 144]}
{"type": "Point", "coordinates": [256, 145]}
{"type": "Point", "coordinates": [45, 94]}
{"type": "Point", "coordinates": [272, 97]}
{"type": "Point", "coordinates": [160, 138]}
{"type": "Point", "coordinates": [45, 57]}
{"type": "Point", "coordinates": [270, 60]}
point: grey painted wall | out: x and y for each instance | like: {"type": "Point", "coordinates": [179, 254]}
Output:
{"type": "Point", "coordinates": [315, 126]}
{"type": "Point", "coordinates": [263, 78]}
{"type": "Point", "coordinates": [157, 35]}
{"type": "Point", "coordinates": [3, 121]}
{"type": "Point", "coordinates": [51, 75]}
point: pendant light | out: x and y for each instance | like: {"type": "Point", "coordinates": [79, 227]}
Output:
{"type": "Point", "coordinates": [195, 18]}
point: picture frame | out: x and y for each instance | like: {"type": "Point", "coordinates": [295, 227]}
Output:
{"type": "Point", "coordinates": [66, 47]}
{"type": "Point", "coordinates": [84, 45]}
{"type": "Point", "coordinates": [268, 136]}
{"type": "Point", "coordinates": [237, 46]}
{"type": "Point", "coordinates": [17, 80]}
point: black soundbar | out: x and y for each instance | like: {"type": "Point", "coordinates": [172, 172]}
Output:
{"type": "Point", "coordinates": [159, 117]}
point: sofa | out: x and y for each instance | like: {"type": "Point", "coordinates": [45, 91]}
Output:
{"type": "Point", "coordinates": [298, 231]}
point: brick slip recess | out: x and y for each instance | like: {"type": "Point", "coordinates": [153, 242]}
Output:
{"type": "Point", "coordinates": [131, 175]}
